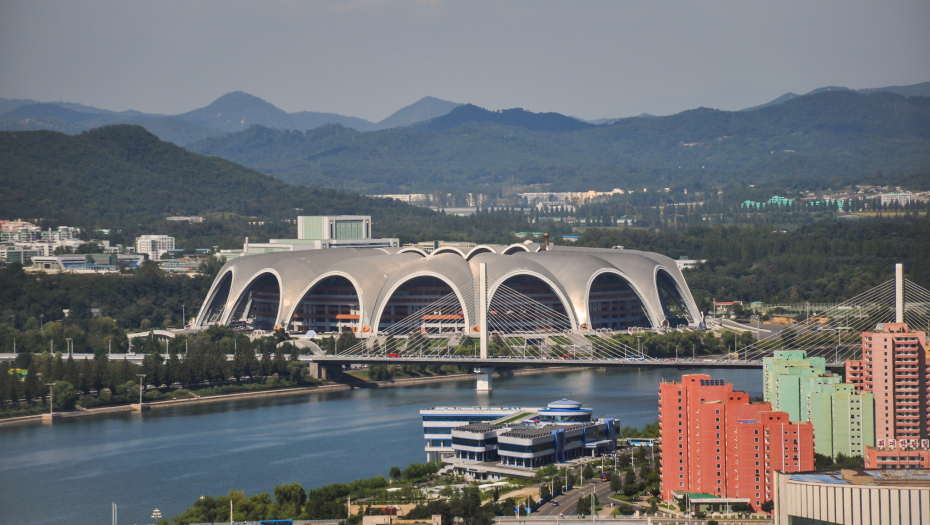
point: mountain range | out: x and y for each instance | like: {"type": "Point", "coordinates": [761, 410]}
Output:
{"type": "Point", "coordinates": [824, 136]}
{"type": "Point", "coordinates": [237, 111]}
{"type": "Point", "coordinates": [230, 113]}
{"type": "Point", "coordinates": [830, 133]}
{"type": "Point", "coordinates": [914, 90]}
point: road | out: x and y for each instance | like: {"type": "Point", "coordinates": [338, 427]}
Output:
{"type": "Point", "coordinates": [569, 502]}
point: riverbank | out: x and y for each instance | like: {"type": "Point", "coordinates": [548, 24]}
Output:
{"type": "Point", "coordinates": [336, 387]}
{"type": "Point", "coordinates": [178, 402]}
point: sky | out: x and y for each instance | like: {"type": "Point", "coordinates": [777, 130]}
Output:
{"type": "Point", "coordinates": [368, 58]}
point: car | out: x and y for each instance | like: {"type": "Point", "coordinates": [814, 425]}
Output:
{"type": "Point", "coordinates": [555, 503]}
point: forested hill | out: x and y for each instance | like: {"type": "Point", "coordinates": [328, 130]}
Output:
{"type": "Point", "coordinates": [472, 114]}
{"type": "Point", "coordinates": [124, 176]}
{"type": "Point", "coordinates": [824, 135]}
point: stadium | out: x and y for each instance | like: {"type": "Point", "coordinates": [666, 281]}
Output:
{"type": "Point", "coordinates": [370, 290]}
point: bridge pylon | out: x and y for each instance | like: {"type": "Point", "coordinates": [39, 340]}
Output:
{"type": "Point", "coordinates": [484, 373]}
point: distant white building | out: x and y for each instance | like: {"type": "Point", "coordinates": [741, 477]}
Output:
{"type": "Point", "coordinates": [184, 218]}
{"type": "Point", "coordinates": [901, 197]}
{"type": "Point", "coordinates": [154, 245]}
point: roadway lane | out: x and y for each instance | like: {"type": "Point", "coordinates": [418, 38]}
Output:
{"type": "Point", "coordinates": [568, 503]}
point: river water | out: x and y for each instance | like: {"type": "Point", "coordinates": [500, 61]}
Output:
{"type": "Point", "coordinates": [71, 471]}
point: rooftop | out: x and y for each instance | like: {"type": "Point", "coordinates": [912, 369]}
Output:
{"type": "Point", "coordinates": [920, 478]}
{"type": "Point", "coordinates": [477, 427]}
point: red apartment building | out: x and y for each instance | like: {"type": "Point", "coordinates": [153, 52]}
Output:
{"type": "Point", "coordinates": [715, 441]}
{"type": "Point", "coordinates": [894, 367]}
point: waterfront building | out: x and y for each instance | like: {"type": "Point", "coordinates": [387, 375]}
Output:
{"type": "Point", "coordinates": [716, 441]}
{"type": "Point", "coordinates": [852, 497]}
{"type": "Point", "coordinates": [438, 423]}
{"type": "Point", "coordinates": [800, 386]}
{"type": "Point", "coordinates": [370, 290]}
{"type": "Point", "coordinates": [519, 439]}
{"type": "Point", "coordinates": [154, 245]}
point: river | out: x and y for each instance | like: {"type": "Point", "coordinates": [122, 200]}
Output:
{"type": "Point", "coordinates": [71, 471]}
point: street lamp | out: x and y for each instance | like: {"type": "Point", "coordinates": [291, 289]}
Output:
{"type": "Point", "coordinates": [51, 398]}
{"type": "Point", "coordinates": [141, 386]}
{"type": "Point", "coordinates": [183, 318]}
{"type": "Point", "coordinates": [156, 515]}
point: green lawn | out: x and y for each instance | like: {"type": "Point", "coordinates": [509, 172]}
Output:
{"type": "Point", "coordinates": [514, 418]}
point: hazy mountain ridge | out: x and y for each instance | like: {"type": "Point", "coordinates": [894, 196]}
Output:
{"type": "Point", "coordinates": [422, 110]}
{"type": "Point", "coordinates": [518, 117]}
{"type": "Point", "coordinates": [914, 90]}
{"type": "Point", "coordinates": [230, 113]}
{"type": "Point", "coordinates": [829, 134]}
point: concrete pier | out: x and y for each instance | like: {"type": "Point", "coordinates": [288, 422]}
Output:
{"type": "Point", "coordinates": [484, 378]}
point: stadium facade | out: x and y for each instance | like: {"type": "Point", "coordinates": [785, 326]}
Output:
{"type": "Point", "coordinates": [368, 290]}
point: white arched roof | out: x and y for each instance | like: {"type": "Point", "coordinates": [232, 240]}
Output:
{"type": "Point", "coordinates": [377, 273]}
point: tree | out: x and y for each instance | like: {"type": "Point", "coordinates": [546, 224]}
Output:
{"type": "Point", "coordinates": [64, 395]}
{"type": "Point", "coordinates": [587, 472]}
{"type": "Point", "coordinates": [153, 366]}
{"type": "Point", "coordinates": [290, 498]}
{"type": "Point", "coordinates": [653, 503]}
{"type": "Point", "coordinates": [544, 492]}
{"type": "Point", "coordinates": [767, 506]}
{"type": "Point", "coordinates": [557, 486]}
{"type": "Point", "coordinates": [615, 484]}
{"type": "Point", "coordinates": [394, 473]}
{"type": "Point", "coordinates": [31, 385]}
{"type": "Point", "coordinates": [630, 477]}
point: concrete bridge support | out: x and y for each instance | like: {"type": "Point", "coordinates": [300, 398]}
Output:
{"type": "Point", "coordinates": [326, 372]}
{"type": "Point", "coordinates": [484, 378]}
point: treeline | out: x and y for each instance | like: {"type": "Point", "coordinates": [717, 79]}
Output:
{"type": "Point", "coordinates": [111, 379]}
{"type": "Point", "coordinates": [292, 501]}
{"type": "Point", "coordinates": [146, 298]}
{"type": "Point", "coordinates": [821, 262]}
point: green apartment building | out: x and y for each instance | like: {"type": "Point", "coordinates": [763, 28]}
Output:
{"type": "Point", "coordinates": [843, 420]}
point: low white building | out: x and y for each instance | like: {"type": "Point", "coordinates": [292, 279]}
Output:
{"type": "Point", "coordinates": [154, 245]}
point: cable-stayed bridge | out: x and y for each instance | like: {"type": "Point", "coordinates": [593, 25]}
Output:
{"type": "Point", "coordinates": [515, 330]}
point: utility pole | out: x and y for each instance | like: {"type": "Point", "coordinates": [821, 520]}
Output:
{"type": "Point", "coordinates": [113, 512]}
{"type": "Point", "coordinates": [230, 512]}
{"type": "Point", "coordinates": [51, 398]}
{"type": "Point", "coordinates": [141, 386]}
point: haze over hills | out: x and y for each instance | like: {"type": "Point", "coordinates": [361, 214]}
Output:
{"type": "Point", "coordinates": [828, 135]}
{"type": "Point", "coordinates": [914, 90]}
{"type": "Point", "coordinates": [230, 113]}
{"type": "Point", "coordinates": [518, 117]}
